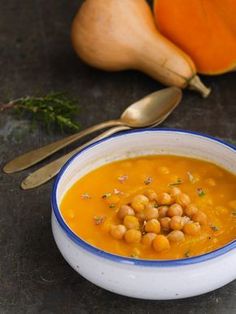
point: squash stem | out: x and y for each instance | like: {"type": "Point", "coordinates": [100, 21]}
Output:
{"type": "Point", "coordinates": [196, 84]}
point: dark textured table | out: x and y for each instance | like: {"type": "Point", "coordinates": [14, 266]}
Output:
{"type": "Point", "coordinates": [35, 58]}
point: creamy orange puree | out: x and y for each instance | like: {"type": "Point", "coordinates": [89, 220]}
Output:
{"type": "Point", "coordinates": [90, 206]}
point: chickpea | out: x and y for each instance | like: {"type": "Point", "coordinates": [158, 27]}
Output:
{"type": "Point", "coordinates": [126, 164]}
{"type": "Point", "coordinates": [200, 217]}
{"type": "Point", "coordinates": [131, 222]}
{"type": "Point", "coordinates": [176, 223]}
{"type": "Point", "coordinates": [164, 199]}
{"type": "Point", "coordinates": [113, 199]}
{"type": "Point", "coordinates": [125, 210]}
{"type": "Point", "coordinates": [164, 170]}
{"type": "Point", "coordinates": [221, 210]}
{"type": "Point", "coordinates": [174, 192]}
{"type": "Point", "coordinates": [106, 226]}
{"type": "Point", "coordinates": [139, 202]}
{"type": "Point", "coordinates": [118, 231]}
{"type": "Point", "coordinates": [148, 238]}
{"type": "Point", "coordinates": [135, 252]}
{"type": "Point", "coordinates": [192, 228]}
{"type": "Point", "coordinates": [161, 243]}
{"type": "Point", "coordinates": [162, 210]}
{"type": "Point", "coordinates": [140, 216]}
{"type": "Point", "coordinates": [183, 199]}
{"type": "Point", "coordinates": [185, 219]}
{"type": "Point", "coordinates": [150, 212]}
{"type": "Point", "coordinates": [176, 236]}
{"type": "Point", "coordinates": [153, 225]}
{"type": "Point", "coordinates": [232, 204]}
{"type": "Point", "coordinates": [165, 223]}
{"type": "Point", "coordinates": [133, 236]}
{"type": "Point", "coordinates": [175, 210]}
{"type": "Point", "coordinates": [151, 194]}
{"type": "Point", "coordinates": [211, 182]}
{"type": "Point", "coordinates": [190, 210]}
{"type": "Point", "coordinates": [70, 214]}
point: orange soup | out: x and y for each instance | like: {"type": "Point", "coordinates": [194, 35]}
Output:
{"type": "Point", "coordinates": [154, 207]}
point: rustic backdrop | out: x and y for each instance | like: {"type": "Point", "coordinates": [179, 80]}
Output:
{"type": "Point", "coordinates": [36, 57]}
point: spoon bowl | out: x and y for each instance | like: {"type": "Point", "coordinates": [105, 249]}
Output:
{"type": "Point", "coordinates": [152, 108]}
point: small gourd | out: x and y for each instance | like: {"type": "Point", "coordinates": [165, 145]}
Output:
{"type": "Point", "coordinates": [115, 35]}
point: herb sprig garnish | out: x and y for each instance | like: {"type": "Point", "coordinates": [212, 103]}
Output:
{"type": "Point", "coordinates": [201, 192]}
{"type": "Point", "coordinates": [98, 220]}
{"type": "Point", "coordinates": [178, 182]}
{"type": "Point", "coordinates": [187, 254]}
{"type": "Point", "coordinates": [52, 110]}
{"type": "Point", "coordinates": [215, 228]}
{"type": "Point", "coordinates": [106, 195]}
{"type": "Point", "coordinates": [148, 180]}
{"type": "Point", "coordinates": [86, 196]}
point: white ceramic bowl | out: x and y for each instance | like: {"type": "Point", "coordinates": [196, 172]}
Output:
{"type": "Point", "coordinates": [146, 279]}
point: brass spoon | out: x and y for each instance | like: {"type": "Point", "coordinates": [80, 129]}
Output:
{"type": "Point", "coordinates": [50, 170]}
{"type": "Point", "coordinates": [145, 112]}
{"type": "Point", "coordinates": [47, 172]}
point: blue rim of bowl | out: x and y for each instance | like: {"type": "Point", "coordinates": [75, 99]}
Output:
{"type": "Point", "coordinates": [127, 260]}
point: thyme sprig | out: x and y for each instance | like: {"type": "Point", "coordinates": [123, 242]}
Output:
{"type": "Point", "coordinates": [52, 110]}
{"type": "Point", "coordinates": [178, 182]}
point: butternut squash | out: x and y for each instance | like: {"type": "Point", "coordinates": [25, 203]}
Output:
{"type": "Point", "coordinates": [204, 29]}
{"type": "Point", "coordinates": [117, 35]}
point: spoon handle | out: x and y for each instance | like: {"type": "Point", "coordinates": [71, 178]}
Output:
{"type": "Point", "coordinates": [31, 158]}
{"type": "Point", "coordinates": [47, 172]}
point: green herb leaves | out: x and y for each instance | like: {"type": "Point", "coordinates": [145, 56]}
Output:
{"type": "Point", "coordinates": [98, 220]}
{"type": "Point", "coordinates": [148, 180]}
{"type": "Point", "coordinates": [106, 195]}
{"type": "Point", "coordinates": [85, 196]}
{"type": "Point", "coordinates": [178, 182]}
{"type": "Point", "coordinates": [215, 228]}
{"type": "Point", "coordinates": [201, 192]}
{"type": "Point", "coordinates": [52, 110]}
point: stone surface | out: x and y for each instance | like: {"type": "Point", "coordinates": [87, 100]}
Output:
{"type": "Point", "coordinates": [35, 58]}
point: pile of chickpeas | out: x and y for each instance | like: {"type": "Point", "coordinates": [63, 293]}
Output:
{"type": "Point", "coordinates": [156, 220]}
